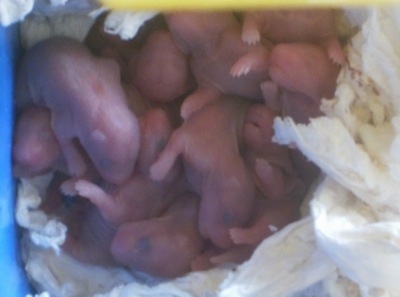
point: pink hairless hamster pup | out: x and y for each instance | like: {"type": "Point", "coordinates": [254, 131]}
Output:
{"type": "Point", "coordinates": [271, 216]}
{"type": "Point", "coordinates": [139, 197]}
{"type": "Point", "coordinates": [288, 26]}
{"type": "Point", "coordinates": [156, 126]}
{"type": "Point", "coordinates": [87, 103]}
{"type": "Point", "coordinates": [301, 76]}
{"type": "Point", "coordinates": [270, 163]}
{"type": "Point", "coordinates": [89, 235]}
{"type": "Point", "coordinates": [304, 68]}
{"type": "Point", "coordinates": [163, 246]}
{"type": "Point", "coordinates": [209, 142]}
{"type": "Point", "coordinates": [217, 56]}
{"type": "Point", "coordinates": [161, 70]}
{"type": "Point", "coordinates": [35, 150]}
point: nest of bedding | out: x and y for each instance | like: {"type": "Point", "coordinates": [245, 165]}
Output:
{"type": "Point", "coordinates": [339, 241]}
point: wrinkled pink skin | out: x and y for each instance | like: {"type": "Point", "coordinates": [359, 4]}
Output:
{"type": "Point", "coordinates": [213, 256]}
{"type": "Point", "coordinates": [289, 26]}
{"type": "Point", "coordinates": [258, 130]}
{"type": "Point", "coordinates": [278, 171]}
{"type": "Point", "coordinates": [303, 68]}
{"type": "Point", "coordinates": [301, 76]}
{"type": "Point", "coordinates": [218, 57]}
{"type": "Point", "coordinates": [89, 235]}
{"type": "Point", "coordinates": [35, 150]}
{"type": "Point", "coordinates": [202, 261]}
{"type": "Point", "coordinates": [271, 216]}
{"type": "Point", "coordinates": [86, 101]}
{"type": "Point", "coordinates": [164, 246]}
{"type": "Point", "coordinates": [161, 70]}
{"type": "Point", "coordinates": [140, 105]}
{"type": "Point", "coordinates": [269, 162]}
{"type": "Point", "coordinates": [213, 166]}
{"type": "Point", "coordinates": [90, 242]}
{"type": "Point", "coordinates": [257, 135]}
{"type": "Point", "coordinates": [156, 122]}
{"type": "Point", "coordinates": [136, 102]}
{"type": "Point", "coordinates": [300, 107]}
{"type": "Point", "coordinates": [139, 197]}
{"type": "Point", "coordinates": [235, 255]}
{"type": "Point", "coordinates": [279, 190]}
{"type": "Point", "coordinates": [276, 182]}
{"type": "Point", "coordinates": [155, 129]}
{"type": "Point", "coordinates": [295, 173]}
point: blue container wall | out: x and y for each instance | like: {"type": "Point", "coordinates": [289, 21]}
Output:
{"type": "Point", "coordinates": [12, 279]}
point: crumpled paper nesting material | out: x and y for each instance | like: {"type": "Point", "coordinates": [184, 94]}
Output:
{"type": "Point", "coordinates": [195, 284]}
{"type": "Point", "coordinates": [365, 249]}
{"type": "Point", "coordinates": [60, 275]}
{"type": "Point", "coordinates": [44, 231]}
{"type": "Point", "coordinates": [278, 267]}
{"type": "Point", "coordinates": [73, 18]}
{"type": "Point", "coordinates": [126, 24]}
{"type": "Point", "coordinates": [122, 23]}
{"type": "Point", "coordinates": [35, 29]}
{"type": "Point", "coordinates": [356, 209]}
{"type": "Point", "coordinates": [349, 245]}
{"type": "Point", "coordinates": [43, 8]}
{"type": "Point", "coordinates": [12, 11]}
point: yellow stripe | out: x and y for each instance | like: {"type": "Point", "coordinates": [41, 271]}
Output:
{"type": "Point", "coordinates": [234, 4]}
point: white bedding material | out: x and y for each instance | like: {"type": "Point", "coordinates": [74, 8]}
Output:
{"type": "Point", "coordinates": [73, 18]}
{"type": "Point", "coordinates": [356, 209]}
{"type": "Point", "coordinates": [279, 266]}
{"type": "Point", "coordinates": [62, 7]}
{"type": "Point", "coordinates": [44, 231]}
{"type": "Point", "coordinates": [126, 24]}
{"type": "Point", "coordinates": [34, 29]}
{"type": "Point", "coordinates": [195, 284]}
{"type": "Point", "coordinates": [365, 249]}
{"type": "Point", "coordinates": [350, 245]}
{"type": "Point", "coordinates": [12, 11]}
{"type": "Point", "coordinates": [60, 275]}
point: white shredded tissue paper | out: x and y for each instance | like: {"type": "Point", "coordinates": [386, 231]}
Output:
{"type": "Point", "coordinates": [347, 245]}
{"type": "Point", "coordinates": [12, 11]}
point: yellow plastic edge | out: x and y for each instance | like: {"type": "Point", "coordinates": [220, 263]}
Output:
{"type": "Point", "coordinates": [234, 4]}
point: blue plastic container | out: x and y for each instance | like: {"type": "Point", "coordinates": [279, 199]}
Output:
{"type": "Point", "coordinates": [13, 282]}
